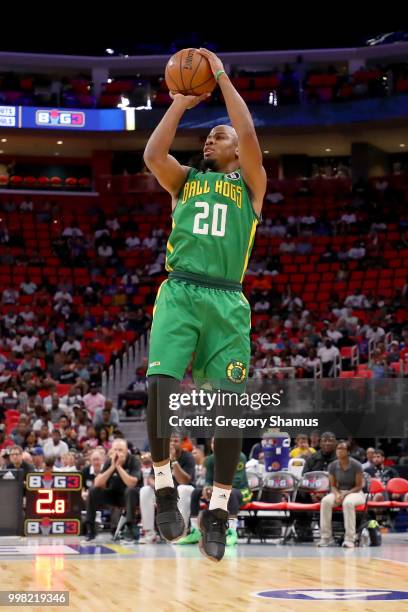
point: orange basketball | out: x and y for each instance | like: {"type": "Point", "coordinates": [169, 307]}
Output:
{"type": "Point", "coordinates": [189, 73]}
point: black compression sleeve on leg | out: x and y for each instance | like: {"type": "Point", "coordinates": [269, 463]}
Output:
{"type": "Point", "coordinates": [159, 389]}
{"type": "Point", "coordinates": [226, 457]}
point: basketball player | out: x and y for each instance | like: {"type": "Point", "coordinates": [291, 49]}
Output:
{"type": "Point", "coordinates": [200, 308]}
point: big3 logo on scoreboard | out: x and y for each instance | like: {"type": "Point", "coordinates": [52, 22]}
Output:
{"type": "Point", "coordinates": [63, 118]}
{"type": "Point", "coordinates": [53, 480]}
{"type": "Point", "coordinates": [53, 503]}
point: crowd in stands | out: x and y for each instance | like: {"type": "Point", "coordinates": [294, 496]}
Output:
{"type": "Point", "coordinates": [333, 278]}
{"type": "Point", "coordinates": [277, 86]}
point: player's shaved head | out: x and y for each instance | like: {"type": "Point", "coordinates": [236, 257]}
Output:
{"type": "Point", "coordinates": [228, 129]}
{"type": "Point", "coordinates": [220, 148]}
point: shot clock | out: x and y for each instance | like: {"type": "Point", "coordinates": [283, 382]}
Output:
{"type": "Point", "coordinates": [53, 503]}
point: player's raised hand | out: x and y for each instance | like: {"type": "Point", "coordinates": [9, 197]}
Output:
{"type": "Point", "coordinates": [188, 101]}
{"type": "Point", "coordinates": [214, 61]}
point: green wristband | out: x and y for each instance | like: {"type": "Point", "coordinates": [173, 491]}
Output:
{"type": "Point", "coordinates": [218, 74]}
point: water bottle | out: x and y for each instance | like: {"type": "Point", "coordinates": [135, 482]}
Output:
{"type": "Point", "coordinates": [365, 537]}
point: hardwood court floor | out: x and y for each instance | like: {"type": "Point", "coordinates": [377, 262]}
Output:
{"type": "Point", "coordinates": [141, 579]}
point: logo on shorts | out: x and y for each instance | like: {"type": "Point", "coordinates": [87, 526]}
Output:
{"type": "Point", "coordinates": [234, 176]}
{"type": "Point", "coordinates": [154, 363]}
{"type": "Point", "coordinates": [236, 371]}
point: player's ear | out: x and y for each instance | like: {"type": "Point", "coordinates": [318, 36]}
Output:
{"type": "Point", "coordinates": [237, 152]}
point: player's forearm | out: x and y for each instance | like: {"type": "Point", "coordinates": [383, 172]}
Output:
{"type": "Point", "coordinates": [180, 475]}
{"type": "Point", "coordinates": [102, 479]}
{"type": "Point", "coordinates": [162, 137]}
{"type": "Point", "coordinates": [237, 109]}
{"type": "Point", "coordinates": [130, 481]}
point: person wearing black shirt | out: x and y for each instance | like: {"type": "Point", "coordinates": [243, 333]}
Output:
{"type": "Point", "coordinates": [317, 462]}
{"type": "Point", "coordinates": [67, 375]}
{"type": "Point", "coordinates": [116, 485]}
{"type": "Point", "coordinates": [17, 463]}
{"type": "Point", "coordinates": [9, 401]}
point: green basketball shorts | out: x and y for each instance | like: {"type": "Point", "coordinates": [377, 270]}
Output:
{"type": "Point", "coordinates": [205, 324]}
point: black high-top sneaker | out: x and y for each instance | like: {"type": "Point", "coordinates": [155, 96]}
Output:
{"type": "Point", "coordinates": [168, 518]}
{"type": "Point", "coordinates": [213, 525]}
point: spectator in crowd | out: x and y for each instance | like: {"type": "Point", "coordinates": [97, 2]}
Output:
{"type": "Point", "coordinates": [23, 427]}
{"type": "Point", "coordinates": [37, 455]}
{"type": "Point", "coordinates": [68, 463]}
{"type": "Point", "coordinates": [106, 417]}
{"type": "Point", "coordinates": [199, 458]}
{"type": "Point", "coordinates": [358, 251]}
{"type": "Point", "coordinates": [310, 363]}
{"type": "Point", "coordinates": [328, 354]}
{"type": "Point", "coordinates": [10, 296]}
{"type": "Point", "coordinates": [17, 462]}
{"type": "Point", "coordinates": [70, 345]}
{"type": "Point", "coordinates": [320, 460]}
{"type": "Point", "coordinates": [375, 333]}
{"type": "Point", "coordinates": [9, 400]}
{"type": "Point", "coordinates": [315, 439]}
{"type": "Point", "coordinates": [356, 451]}
{"type": "Point", "coordinates": [56, 409]}
{"type": "Point", "coordinates": [89, 472]}
{"type": "Point", "coordinates": [346, 489]}
{"type": "Point", "coordinates": [55, 447]}
{"type": "Point", "coordinates": [117, 485]}
{"type": "Point", "coordinates": [356, 300]}
{"type": "Point", "coordinates": [30, 441]}
{"type": "Point", "coordinates": [302, 448]}
{"type": "Point", "coordinates": [93, 400]}
{"type": "Point", "coordinates": [382, 472]}
{"type": "Point", "coordinates": [368, 464]}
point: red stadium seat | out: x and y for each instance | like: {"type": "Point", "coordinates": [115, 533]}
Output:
{"type": "Point", "coordinates": [30, 182]}
{"type": "Point", "coordinates": [398, 486]}
{"type": "Point", "coordinates": [16, 180]}
{"type": "Point", "coordinates": [43, 181]}
{"type": "Point", "coordinates": [84, 182]}
{"type": "Point", "coordinates": [56, 182]}
{"type": "Point", "coordinates": [365, 374]}
{"type": "Point", "coordinates": [71, 182]}
{"type": "Point", "coordinates": [62, 389]}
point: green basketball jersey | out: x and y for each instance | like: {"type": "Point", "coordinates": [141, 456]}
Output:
{"type": "Point", "coordinates": [214, 226]}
